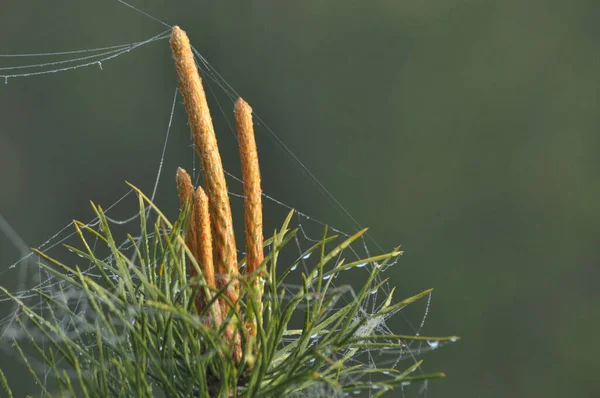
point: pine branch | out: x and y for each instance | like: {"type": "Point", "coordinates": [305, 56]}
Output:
{"type": "Point", "coordinates": [178, 319]}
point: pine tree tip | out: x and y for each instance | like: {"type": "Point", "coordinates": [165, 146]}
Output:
{"type": "Point", "coordinates": [200, 194]}
{"type": "Point", "coordinates": [176, 33]}
{"type": "Point", "coordinates": [242, 106]}
{"type": "Point", "coordinates": [182, 176]}
{"type": "Point", "coordinates": [178, 39]}
{"type": "Point", "coordinates": [185, 189]}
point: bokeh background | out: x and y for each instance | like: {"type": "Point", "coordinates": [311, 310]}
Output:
{"type": "Point", "coordinates": [467, 131]}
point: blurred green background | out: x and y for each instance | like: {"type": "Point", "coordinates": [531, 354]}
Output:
{"type": "Point", "coordinates": [467, 131]}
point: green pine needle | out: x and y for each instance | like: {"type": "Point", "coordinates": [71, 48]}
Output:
{"type": "Point", "coordinates": [142, 337]}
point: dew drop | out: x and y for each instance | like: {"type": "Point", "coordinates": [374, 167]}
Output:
{"type": "Point", "coordinates": [361, 265]}
{"type": "Point", "coordinates": [307, 255]}
{"type": "Point", "coordinates": [405, 383]}
{"type": "Point", "coordinates": [327, 277]}
{"type": "Point", "coordinates": [294, 267]}
{"type": "Point", "coordinates": [433, 343]}
{"type": "Point", "coordinates": [454, 339]}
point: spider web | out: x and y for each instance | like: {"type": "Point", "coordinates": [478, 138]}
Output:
{"type": "Point", "coordinates": [124, 218]}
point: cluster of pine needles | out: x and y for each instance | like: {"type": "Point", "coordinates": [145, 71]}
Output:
{"type": "Point", "coordinates": [184, 317]}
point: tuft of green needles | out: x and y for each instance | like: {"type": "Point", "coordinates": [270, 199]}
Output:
{"type": "Point", "coordinates": [142, 336]}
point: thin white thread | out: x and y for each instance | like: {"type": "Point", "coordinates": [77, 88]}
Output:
{"type": "Point", "coordinates": [160, 36]}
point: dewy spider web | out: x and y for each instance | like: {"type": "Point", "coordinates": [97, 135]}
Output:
{"type": "Point", "coordinates": [32, 279]}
